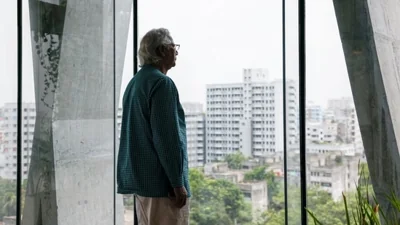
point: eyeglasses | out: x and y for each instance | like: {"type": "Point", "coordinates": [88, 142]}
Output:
{"type": "Point", "coordinates": [177, 46]}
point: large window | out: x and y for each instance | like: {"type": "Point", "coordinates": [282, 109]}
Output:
{"type": "Point", "coordinates": [73, 59]}
{"type": "Point", "coordinates": [240, 81]}
{"type": "Point", "coordinates": [292, 106]}
{"type": "Point", "coordinates": [334, 146]}
{"type": "Point", "coordinates": [125, 69]}
{"type": "Point", "coordinates": [229, 77]}
{"type": "Point", "coordinates": [8, 115]}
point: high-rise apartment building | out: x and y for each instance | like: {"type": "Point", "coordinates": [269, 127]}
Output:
{"type": "Point", "coordinates": [1, 129]}
{"type": "Point", "coordinates": [9, 140]}
{"type": "Point", "coordinates": [248, 116]}
{"type": "Point", "coordinates": [314, 112]}
{"type": "Point", "coordinates": [337, 105]}
{"type": "Point", "coordinates": [195, 133]}
{"type": "Point", "coordinates": [345, 116]}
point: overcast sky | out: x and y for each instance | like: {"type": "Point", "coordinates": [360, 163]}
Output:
{"type": "Point", "coordinates": [218, 39]}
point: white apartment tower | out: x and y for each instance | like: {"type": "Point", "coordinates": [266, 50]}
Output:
{"type": "Point", "coordinates": [345, 115]}
{"type": "Point", "coordinates": [195, 127]}
{"type": "Point", "coordinates": [248, 116]}
{"type": "Point", "coordinates": [314, 112]}
{"type": "Point", "coordinates": [9, 140]}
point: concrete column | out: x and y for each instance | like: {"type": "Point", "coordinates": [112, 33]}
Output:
{"type": "Point", "coordinates": [71, 178]}
{"type": "Point", "coordinates": [370, 33]}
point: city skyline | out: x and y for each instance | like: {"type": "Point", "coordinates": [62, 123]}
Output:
{"type": "Point", "coordinates": [332, 163]}
{"type": "Point", "coordinates": [323, 149]}
{"type": "Point", "coordinates": [204, 104]}
{"type": "Point", "coordinates": [253, 157]}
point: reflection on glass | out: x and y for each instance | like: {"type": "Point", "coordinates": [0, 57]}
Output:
{"type": "Point", "coordinates": [8, 160]}
{"type": "Point", "coordinates": [68, 124]}
{"type": "Point", "coordinates": [124, 66]}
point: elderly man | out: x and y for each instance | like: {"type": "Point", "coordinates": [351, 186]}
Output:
{"type": "Point", "coordinates": [152, 160]}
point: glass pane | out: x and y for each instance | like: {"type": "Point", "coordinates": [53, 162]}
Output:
{"type": "Point", "coordinates": [69, 123]}
{"type": "Point", "coordinates": [334, 144]}
{"type": "Point", "coordinates": [124, 66]}
{"type": "Point", "coordinates": [292, 114]}
{"type": "Point", "coordinates": [229, 77]}
{"type": "Point", "coordinates": [8, 114]}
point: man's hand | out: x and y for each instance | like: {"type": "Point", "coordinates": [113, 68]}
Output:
{"type": "Point", "coordinates": [179, 196]}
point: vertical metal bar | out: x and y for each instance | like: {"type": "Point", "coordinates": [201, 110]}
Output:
{"type": "Point", "coordinates": [302, 93]}
{"type": "Point", "coordinates": [284, 109]}
{"type": "Point", "coordinates": [135, 69]}
{"type": "Point", "coordinates": [135, 36]}
{"type": "Point", "coordinates": [19, 109]}
{"type": "Point", "coordinates": [114, 120]}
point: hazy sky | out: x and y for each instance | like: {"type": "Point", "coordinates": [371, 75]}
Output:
{"type": "Point", "coordinates": [218, 39]}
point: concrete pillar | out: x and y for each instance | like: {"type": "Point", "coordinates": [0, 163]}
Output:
{"type": "Point", "coordinates": [71, 178]}
{"type": "Point", "coordinates": [370, 33]}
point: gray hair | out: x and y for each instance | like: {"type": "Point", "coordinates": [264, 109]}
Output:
{"type": "Point", "coordinates": [149, 44]}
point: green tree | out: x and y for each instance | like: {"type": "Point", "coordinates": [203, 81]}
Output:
{"type": "Point", "coordinates": [216, 201]}
{"type": "Point", "coordinates": [8, 197]}
{"type": "Point", "coordinates": [339, 159]}
{"type": "Point", "coordinates": [9, 203]}
{"type": "Point", "coordinates": [258, 174]}
{"type": "Point", "coordinates": [236, 160]}
{"type": "Point", "coordinates": [210, 213]}
{"type": "Point", "coordinates": [320, 202]}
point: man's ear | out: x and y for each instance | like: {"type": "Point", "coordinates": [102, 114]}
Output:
{"type": "Point", "coordinates": [160, 51]}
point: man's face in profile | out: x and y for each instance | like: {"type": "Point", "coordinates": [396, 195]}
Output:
{"type": "Point", "coordinates": [172, 52]}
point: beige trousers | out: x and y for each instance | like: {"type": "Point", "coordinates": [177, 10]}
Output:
{"type": "Point", "coordinates": [160, 211]}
